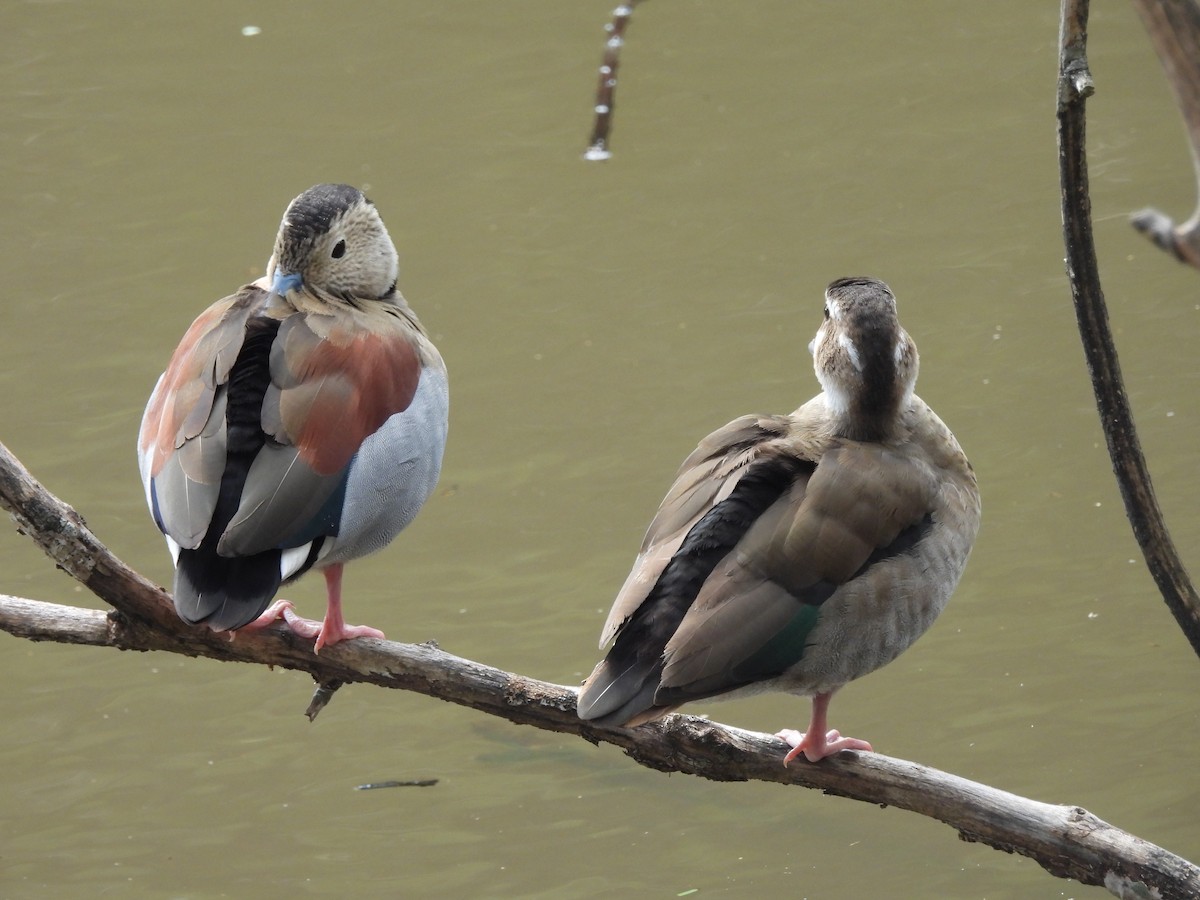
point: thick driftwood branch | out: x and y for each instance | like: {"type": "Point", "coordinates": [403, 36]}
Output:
{"type": "Point", "coordinates": [1067, 841]}
{"type": "Point", "coordinates": [1174, 29]}
{"type": "Point", "coordinates": [1083, 273]}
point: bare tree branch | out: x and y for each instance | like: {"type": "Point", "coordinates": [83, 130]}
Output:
{"type": "Point", "coordinates": [1083, 273]}
{"type": "Point", "coordinates": [1067, 841]}
{"type": "Point", "coordinates": [1174, 29]}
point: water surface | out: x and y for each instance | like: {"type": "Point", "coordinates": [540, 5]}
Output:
{"type": "Point", "coordinates": [597, 321]}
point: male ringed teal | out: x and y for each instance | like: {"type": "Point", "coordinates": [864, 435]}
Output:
{"type": "Point", "coordinates": [300, 423]}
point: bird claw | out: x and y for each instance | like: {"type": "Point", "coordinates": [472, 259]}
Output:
{"type": "Point", "coordinates": [332, 631]}
{"type": "Point", "coordinates": [280, 609]}
{"type": "Point", "coordinates": [306, 628]}
{"type": "Point", "coordinates": [286, 610]}
{"type": "Point", "coordinates": [819, 745]}
{"type": "Point", "coordinates": [328, 636]}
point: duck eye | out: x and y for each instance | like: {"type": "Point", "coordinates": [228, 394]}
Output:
{"type": "Point", "coordinates": [339, 249]}
{"type": "Point", "coordinates": [827, 312]}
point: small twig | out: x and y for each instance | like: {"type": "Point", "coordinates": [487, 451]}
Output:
{"type": "Point", "coordinates": [1181, 241]}
{"type": "Point", "coordinates": [1174, 29]}
{"type": "Point", "coordinates": [1083, 273]}
{"type": "Point", "coordinates": [321, 697]}
{"type": "Point", "coordinates": [607, 88]}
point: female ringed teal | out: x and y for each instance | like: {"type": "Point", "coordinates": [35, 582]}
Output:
{"type": "Point", "coordinates": [798, 552]}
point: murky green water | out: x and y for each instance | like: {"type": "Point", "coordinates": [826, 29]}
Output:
{"type": "Point", "coordinates": [597, 320]}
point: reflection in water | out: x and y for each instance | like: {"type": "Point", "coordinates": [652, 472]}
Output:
{"type": "Point", "coordinates": [596, 318]}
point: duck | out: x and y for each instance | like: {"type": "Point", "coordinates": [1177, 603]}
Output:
{"type": "Point", "coordinates": [797, 552]}
{"type": "Point", "coordinates": [300, 424]}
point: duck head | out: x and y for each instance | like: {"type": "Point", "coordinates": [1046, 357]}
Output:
{"type": "Point", "coordinates": [333, 242]}
{"type": "Point", "coordinates": [866, 363]}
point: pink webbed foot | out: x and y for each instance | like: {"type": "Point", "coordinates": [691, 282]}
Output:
{"type": "Point", "coordinates": [284, 609]}
{"type": "Point", "coordinates": [332, 630]}
{"type": "Point", "coordinates": [335, 633]}
{"type": "Point", "coordinates": [816, 745]}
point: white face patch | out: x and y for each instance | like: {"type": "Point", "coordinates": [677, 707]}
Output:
{"type": "Point", "coordinates": [837, 399]}
{"type": "Point", "coordinates": [846, 344]}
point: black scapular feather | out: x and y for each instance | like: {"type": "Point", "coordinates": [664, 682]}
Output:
{"type": "Point", "coordinates": [625, 683]}
{"type": "Point", "coordinates": [229, 592]}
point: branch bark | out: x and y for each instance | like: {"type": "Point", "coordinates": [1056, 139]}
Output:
{"type": "Point", "coordinates": [1174, 29]}
{"type": "Point", "coordinates": [1083, 272]}
{"type": "Point", "coordinates": [1067, 841]}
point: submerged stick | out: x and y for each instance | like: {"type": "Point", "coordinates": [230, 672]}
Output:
{"type": "Point", "coordinates": [606, 90]}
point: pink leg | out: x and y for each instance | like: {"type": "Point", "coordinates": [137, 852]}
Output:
{"type": "Point", "coordinates": [334, 628]}
{"type": "Point", "coordinates": [817, 743]}
{"type": "Point", "coordinates": [328, 632]}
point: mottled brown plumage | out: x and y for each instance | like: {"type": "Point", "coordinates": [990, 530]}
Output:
{"type": "Point", "coordinates": [798, 552]}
